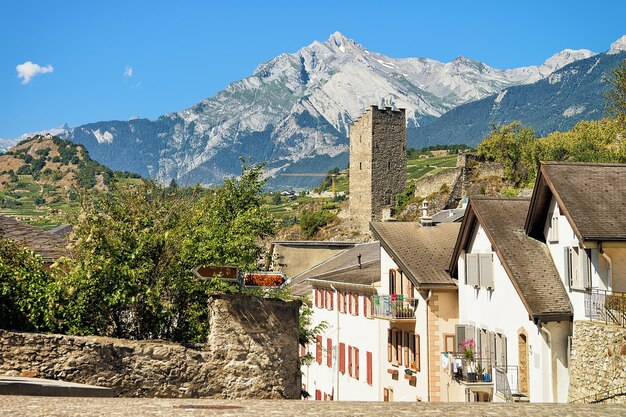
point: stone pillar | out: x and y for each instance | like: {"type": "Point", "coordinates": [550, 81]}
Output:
{"type": "Point", "coordinates": [254, 345]}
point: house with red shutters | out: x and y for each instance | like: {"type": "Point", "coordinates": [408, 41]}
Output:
{"type": "Point", "coordinates": [345, 356]}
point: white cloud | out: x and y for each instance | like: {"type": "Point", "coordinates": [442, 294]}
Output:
{"type": "Point", "coordinates": [28, 70]}
{"type": "Point", "coordinates": [128, 72]}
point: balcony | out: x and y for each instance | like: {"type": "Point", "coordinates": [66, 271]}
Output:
{"type": "Point", "coordinates": [606, 306]}
{"type": "Point", "coordinates": [394, 307]}
{"type": "Point", "coordinates": [472, 371]}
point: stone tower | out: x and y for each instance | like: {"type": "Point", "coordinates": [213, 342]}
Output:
{"type": "Point", "coordinates": [377, 163]}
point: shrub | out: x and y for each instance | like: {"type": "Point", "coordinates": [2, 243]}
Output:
{"type": "Point", "coordinates": [313, 220]}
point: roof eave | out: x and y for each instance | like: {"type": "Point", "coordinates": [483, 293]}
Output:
{"type": "Point", "coordinates": [552, 317]}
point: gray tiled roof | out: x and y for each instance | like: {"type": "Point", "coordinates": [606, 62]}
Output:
{"type": "Point", "coordinates": [526, 260]}
{"type": "Point", "coordinates": [592, 196]}
{"type": "Point", "coordinates": [343, 261]}
{"type": "Point", "coordinates": [51, 247]}
{"type": "Point", "coordinates": [367, 274]}
{"type": "Point", "coordinates": [423, 253]}
{"type": "Point", "coordinates": [449, 216]}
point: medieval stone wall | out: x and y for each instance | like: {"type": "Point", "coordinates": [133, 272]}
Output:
{"type": "Point", "coordinates": [251, 352]}
{"type": "Point", "coordinates": [430, 184]}
{"type": "Point", "coordinates": [597, 362]}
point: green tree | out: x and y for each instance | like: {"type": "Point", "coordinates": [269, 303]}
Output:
{"type": "Point", "coordinates": [313, 220]}
{"type": "Point", "coordinates": [616, 96]}
{"type": "Point", "coordinates": [23, 288]}
{"type": "Point", "coordinates": [134, 249]}
{"type": "Point", "coordinates": [512, 145]}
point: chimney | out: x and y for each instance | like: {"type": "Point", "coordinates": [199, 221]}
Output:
{"type": "Point", "coordinates": [389, 214]}
{"type": "Point", "coordinates": [358, 259]}
{"type": "Point", "coordinates": [425, 220]}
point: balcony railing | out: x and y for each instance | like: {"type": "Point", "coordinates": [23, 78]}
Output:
{"type": "Point", "coordinates": [606, 306]}
{"type": "Point", "coordinates": [507, 382]}
{"type": "Point", "coordinates": [393, 307]}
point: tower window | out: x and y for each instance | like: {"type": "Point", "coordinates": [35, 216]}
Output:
{"type": "Point", "coordinates": [360, 166]}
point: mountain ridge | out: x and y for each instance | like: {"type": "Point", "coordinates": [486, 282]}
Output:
{"type": "Point", "coordinates": [294, 111]}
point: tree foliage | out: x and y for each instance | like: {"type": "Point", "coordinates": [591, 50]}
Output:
{"type": "Point", "coordinates": [23, 288]}
{"type": "Point", "coordinates": [133, 251]}
{"type": "Point", "coordinates": [616, 96]}
{"type": "Point", "coordinates": [312, 220]}
{"type": "Point", "coordinates": [515, 146]}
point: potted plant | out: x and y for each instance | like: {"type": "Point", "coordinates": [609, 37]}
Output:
{"type": "Point", "coordinates": [468, 346]}
{"type": "Point", "coordinates": [480, 372]}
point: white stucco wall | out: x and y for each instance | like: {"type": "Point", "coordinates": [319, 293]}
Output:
{"type": "Point", "coordinates": [501, 310]}
{"type": "Point", "coordinates": [567, 238]}
{"type": "Point", "coordinates": [358, 331]}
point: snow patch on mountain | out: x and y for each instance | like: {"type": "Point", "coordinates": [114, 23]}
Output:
{"type": "Point", "coordinates": [103, 137]}
{"type": "Point", "coordinates": [573, 111]}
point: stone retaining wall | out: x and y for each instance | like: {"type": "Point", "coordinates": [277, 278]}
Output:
{"type": "Point", "coordinates": [251, 352]}
{"type": "Point", "coordinates": [598, 360]}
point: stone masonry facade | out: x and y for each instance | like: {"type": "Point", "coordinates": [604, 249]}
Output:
{"type": "Point", "coordinates": [598, 362]}
{"type": "Point", "coordinates": [377, 163]}
{"type": "Point", "coordinates": [251, 352]}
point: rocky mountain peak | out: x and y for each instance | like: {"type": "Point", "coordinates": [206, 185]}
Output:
{"type": "Point", "coordinates": [618, 46]}
{"type": "Point", "coordinates": [565, 57]}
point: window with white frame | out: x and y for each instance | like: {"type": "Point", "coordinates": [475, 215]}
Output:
{"type": "Point", "coordinates": [479, 270]}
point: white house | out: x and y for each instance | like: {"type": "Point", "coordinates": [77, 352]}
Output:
{"type": "Point", "coordinates": [417, 304]}
{"type": "Point", "coordinates": [579, 210]}
{"type": "Point", "coordinates": [513, 304]}
{"type": "Point", "coordinates": [345, 362]}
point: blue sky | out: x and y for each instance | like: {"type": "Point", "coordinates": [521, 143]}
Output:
{"type": "Point", "coordinates": [105, 60]}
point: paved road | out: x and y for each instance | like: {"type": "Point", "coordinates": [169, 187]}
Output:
{"type": "Point", "coordinates": [122, 407]}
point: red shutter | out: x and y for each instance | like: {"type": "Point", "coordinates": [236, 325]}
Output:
{"type": "Point", "coordinates": [417, 352]}
{"type": "Point", "coordinates": [356, 304]}
{"type": "Point", "coordinates": [350, 360]}
{"type": "Point", "coordinates": [349, 303]}
{"type": "Point", "coordinates": [342, 358]}
{"type": "Point", "coordinates": [317, 298]}
{"type": "Point", "coordinates": [356, 363]}
{"type": "Point", "coordinates": [302, 350]}
{"type": "Point", "coordinates": [365, 306]}
{"type": "Point", "coordinates": [318, 395]}
{"type": "Point", "coordinates": [318, 350]}
{"type": "Point", "coordinates": [332, 300]}
{"type": "Point", "coordinates": [389, 347]}
{"type": "Point", "coordinates": [329, 353]}
{"type": "Point", "coordinates": [405, 338]}
{"type": "Point", "coordinates": [368, 358]}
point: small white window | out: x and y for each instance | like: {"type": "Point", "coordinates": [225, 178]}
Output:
{"type": "Point", "coordinates": [553, 235]}
{"type": "Point", "coordinates": [479, 270]}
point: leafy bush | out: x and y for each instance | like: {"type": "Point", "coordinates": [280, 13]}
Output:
{"type": "Point", "coordinates": [23, 288]}
{"type": "Point", "coordinates": [313, 220]}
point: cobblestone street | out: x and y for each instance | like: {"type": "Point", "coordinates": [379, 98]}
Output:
{"type": "Point", "coordinates": [63, 406]}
